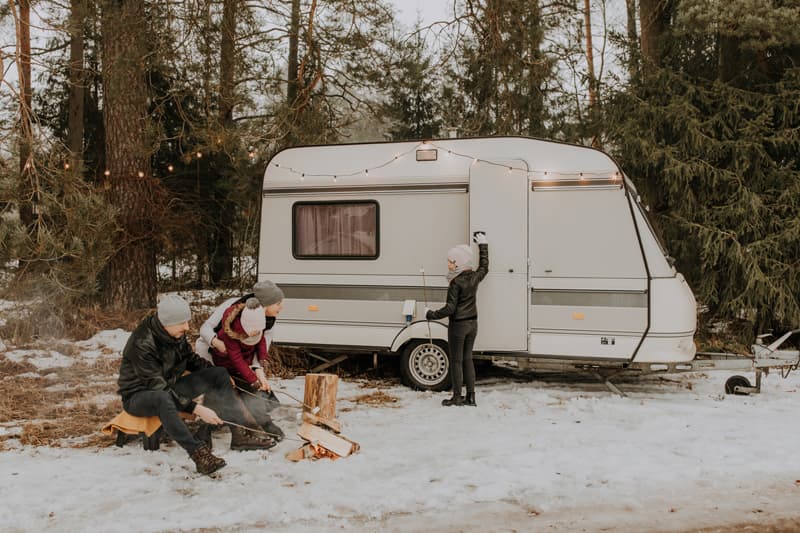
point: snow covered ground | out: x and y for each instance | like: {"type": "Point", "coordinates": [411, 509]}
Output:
{"type": "Point", "coordinates": [550, 454]}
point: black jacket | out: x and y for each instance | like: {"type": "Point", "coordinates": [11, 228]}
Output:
{"type": "Point", "coordinates": [461, 293]}
{"type": "Point", "coordinates": [154, 360]}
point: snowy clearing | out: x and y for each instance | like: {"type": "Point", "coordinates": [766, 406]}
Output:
{"type": "Point", "coordinates": [549, 453]}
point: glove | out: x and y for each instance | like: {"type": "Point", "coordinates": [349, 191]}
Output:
{"type": "Point", "coordinates": [429, 315]}
{"type": "Point", "coordinates": [479, 237]}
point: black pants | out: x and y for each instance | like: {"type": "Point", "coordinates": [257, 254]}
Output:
{"type": "Point", "coordinates": [460, 339]}
{"type": "Point", "coordinates": [214, 383]}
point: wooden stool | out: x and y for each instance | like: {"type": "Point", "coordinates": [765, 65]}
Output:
{"type": "Point", "coordinates": [127, 427]}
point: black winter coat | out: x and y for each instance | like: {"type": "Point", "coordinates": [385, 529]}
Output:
{"type": "Point", "coordinates": [153, 360]}
{"type": "Point", "coordinates": [462, 292]}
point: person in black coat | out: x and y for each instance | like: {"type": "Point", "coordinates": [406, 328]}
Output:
{"type": "Point", "coordinates": [462, 310]}
{"type": "Point", "coordinates": [152, 383]}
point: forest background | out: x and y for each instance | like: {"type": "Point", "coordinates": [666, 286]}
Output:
{"type": "Point", "coordinates": [134, 134]}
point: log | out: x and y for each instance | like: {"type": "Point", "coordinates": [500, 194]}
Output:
{"type": "Point", "coordinates": [304, 452]}
{"type": "Point", "coordinates": [338, 445]}
{"type": "Point", "coordinates": [320, 391]}
{"type": "Point", "coordinates": [311, 418]}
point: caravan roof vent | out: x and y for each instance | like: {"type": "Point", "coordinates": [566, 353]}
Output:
{"type": "Point", "coordinates": [427, 154]}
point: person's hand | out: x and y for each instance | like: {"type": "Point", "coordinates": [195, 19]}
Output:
{"type": "Point", "coordinates": [480, 237]}
{"type": "Point", "coordinates": [428, 314]}
{"type": "Point", "coordinates": [207, 415]}
{"type": "Point", "coordinates": [218, 345]}
{"type": "Point", "coordinates": [263, 384]}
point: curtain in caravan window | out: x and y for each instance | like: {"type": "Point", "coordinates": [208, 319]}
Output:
{"type": "Point", "coordinates": [336, 230]}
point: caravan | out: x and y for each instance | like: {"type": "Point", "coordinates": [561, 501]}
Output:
{"type": "Point", "coordinates": [356, 235]}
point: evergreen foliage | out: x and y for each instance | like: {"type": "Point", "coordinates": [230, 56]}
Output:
{"type": "Point", "coordinates": [412, 107]}
{"type": "Point", "coordinates": [717, 158]}
{"type": "Point", "coordinates": [498, 85]}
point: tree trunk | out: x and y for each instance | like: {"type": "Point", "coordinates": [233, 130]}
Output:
{"type": "Point", "coordinates": [320, 392]}
{"type": "Point", "coordinates": [633, 39]}
{"type": "Point", "coordinates": [587, 20]}
{"type": "Point", "coordinates": [730, 58]}
{"type": "Point", "coordinates": [77, 82]}
{"type": "Point", "coordinates": [654, 19]}
{"type": "Point", "coordinates": [220, 246]}
{"type": "Point", "coordinates": [294, 37]}
{"type": "Point", "coordinates": [128, 145]}
{"type": "Point", "coordinates": [28, 194]}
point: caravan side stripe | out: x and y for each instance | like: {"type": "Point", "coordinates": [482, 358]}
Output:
{"type": "Point", "coordinates": [364, 292]}
{"type": "Point", "coordinates": [589, 298]}
{"type": "Point", "coordinates": [370, 188]}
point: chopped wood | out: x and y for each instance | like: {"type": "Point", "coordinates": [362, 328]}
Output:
{"type": "Point", "coordinates": [304, 452]}
{"type": "Point", "coordinates": [319, 421]}
{"type": "Point", "coordinates": [321, 437]}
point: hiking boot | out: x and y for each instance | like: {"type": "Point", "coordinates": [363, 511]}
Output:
{"type": "Point", "coordinates": [470, 400]}
{"type": "Point", "coordinates": [457, 399]}
{"type": "Point", "coordinates": [206, 461]}
{"type": "Point", "coordinates": [243, 439]}
{"type": "Point", "coordinates": [274, 431]}
{"type": "Point", "coordinates": [203, 434]}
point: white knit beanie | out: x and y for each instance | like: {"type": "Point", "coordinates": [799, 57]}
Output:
{"type": "Point", "coordinates": [461, 255]}
{"type": "Point", "coordinates": [252, 317]}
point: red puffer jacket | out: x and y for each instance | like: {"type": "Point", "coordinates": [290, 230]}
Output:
{"type": "Point", "coordinates": [239, 355]}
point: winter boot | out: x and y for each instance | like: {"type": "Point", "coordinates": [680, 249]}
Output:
{"type": "Point", "coordinates": [203, 434]}
{"type": "Point", "coordinates": [457, 399]}
{"type": "Point", "coordinates": [206, 461]}
{"type": "Point", "coordinates": [274, 431]}
{"type": "Point", "coordinates": [242, 439]}
{"type": "Point", "coordinates": [470, 400]}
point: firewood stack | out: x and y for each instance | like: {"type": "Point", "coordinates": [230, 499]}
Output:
{"type": "Point", "coordinates": [320, 428]}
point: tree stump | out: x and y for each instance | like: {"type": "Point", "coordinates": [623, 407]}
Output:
{"type": "Point", "coordinates": [320, 392]}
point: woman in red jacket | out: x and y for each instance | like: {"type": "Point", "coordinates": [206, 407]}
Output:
{"type": "Point", "coordinates": [242, 332]}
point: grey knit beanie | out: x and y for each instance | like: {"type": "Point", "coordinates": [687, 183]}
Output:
{"type": "Point", "coordinates": [172, 309]}
{"type": "Point", "coordinates": [267, 293]}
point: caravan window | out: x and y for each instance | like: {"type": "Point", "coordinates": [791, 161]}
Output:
{"type": "Point", "coordinates": [335, 230]}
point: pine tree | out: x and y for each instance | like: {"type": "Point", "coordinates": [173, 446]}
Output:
{"type": "Point", "coordinates": [501, 78]}
{"type": "Point", "coordinates": [413, 109]}
{"type": "Point", "coordinates": [709, 135]}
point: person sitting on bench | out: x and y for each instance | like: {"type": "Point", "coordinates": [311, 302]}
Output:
{"type": "Point", "coordinates": [152, 383]}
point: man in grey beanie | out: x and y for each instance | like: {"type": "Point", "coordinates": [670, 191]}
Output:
{"type": "Point", "coordinates": [152, 383]}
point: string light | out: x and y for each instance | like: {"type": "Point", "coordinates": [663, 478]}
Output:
{"type": "Point", "coordinates": [605, 176]}
{"type": "Point", "coordinates": [170, 168]}
{"type": "Point", "coordinates": [140, 174]}
{"type": "Point", "coordinates": [107, 173]}
{"type": "Point", "coordinates": [199, 155]}
{"type": "Point", "coordinates": [66, 166]}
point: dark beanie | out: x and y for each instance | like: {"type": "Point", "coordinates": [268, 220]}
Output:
{"type": "Point", "coordinates": [267, 293]}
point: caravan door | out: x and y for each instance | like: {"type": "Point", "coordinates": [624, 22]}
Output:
{"type": "Point", "coordinates": [498, 205]}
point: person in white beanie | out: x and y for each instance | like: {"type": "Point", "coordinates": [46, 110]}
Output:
{"type": "Point", "coordinates": [271, 298]}
{"type": "Point", "coordinates": [462, 311]}
{"type": "Point", "coordinates": [245, 356]}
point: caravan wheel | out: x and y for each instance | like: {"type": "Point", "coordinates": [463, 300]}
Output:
{"type": "Point", "coordinates": [425, 366]}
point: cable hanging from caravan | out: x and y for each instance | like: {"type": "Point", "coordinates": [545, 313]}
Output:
{"type": "Point", "coordinates": [544, 178]}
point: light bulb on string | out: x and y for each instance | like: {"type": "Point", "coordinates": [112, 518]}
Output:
{"type": "Point", "coordinates": [66, 166]}
{"type": "Point", "coordinates": [199, 155]}
{"type": "Point", "coordinates": [170, 168]}
{"type": "Point", "coordinates": [107, 173]}
{"type": "Point", "coordinates": [140, 174]}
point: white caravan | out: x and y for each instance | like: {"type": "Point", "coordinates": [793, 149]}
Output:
{"type": "Point", "coordinates": [357, 235]}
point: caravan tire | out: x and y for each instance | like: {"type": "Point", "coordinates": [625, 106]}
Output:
{"type": "Point", "coordinates": [426, 366]}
